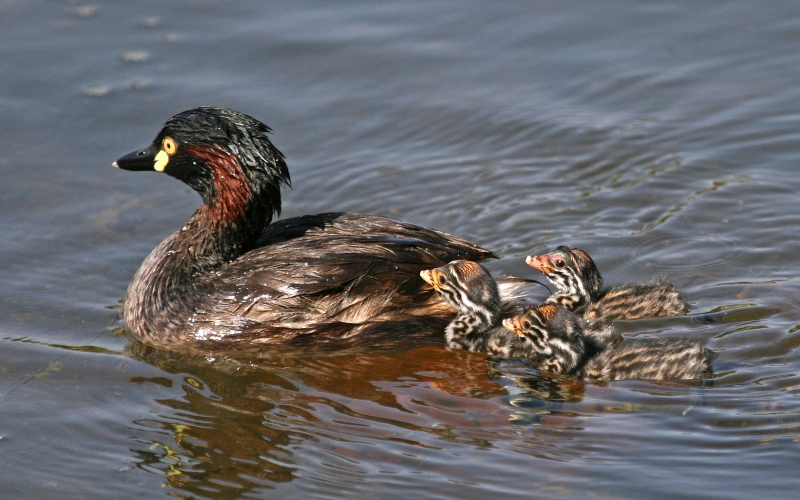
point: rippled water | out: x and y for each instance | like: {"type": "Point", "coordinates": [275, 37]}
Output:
{"type": "Point", "coordinates": [661, 137]}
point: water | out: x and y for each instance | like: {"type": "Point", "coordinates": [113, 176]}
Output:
{"type": "Point", "coordinates": [661, 137]}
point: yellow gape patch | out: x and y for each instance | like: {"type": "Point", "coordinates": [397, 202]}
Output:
{"type": "Point", "coordinates": [162, 159]}
{"type": "Point", "coordinates": [168, 148]}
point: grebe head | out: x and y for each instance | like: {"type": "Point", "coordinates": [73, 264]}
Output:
{"type": "Point", "coordinates": [466, 286]}
{"type": "Point", "coordinates": [224, 155]}
{"type": "Point", "coordinates": [571, 270]}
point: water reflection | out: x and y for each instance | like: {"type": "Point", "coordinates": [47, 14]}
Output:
{"type": "Point", "coordinates": [227, 425]}
{"type": "Point", "coordinates": [241, 421]}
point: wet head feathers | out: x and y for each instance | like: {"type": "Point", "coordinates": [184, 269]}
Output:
{"type": "Point", "coordinates": [227, 157]}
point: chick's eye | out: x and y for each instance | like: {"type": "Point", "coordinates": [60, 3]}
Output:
{"type": "Point", "coordinates": [560, 263]}
{"type": "Point", "coordinates": [526, 324]}
{"type": "Point", "coordinates": [169, 146]}
{"type": "Point", "coordinates": [442, 280]}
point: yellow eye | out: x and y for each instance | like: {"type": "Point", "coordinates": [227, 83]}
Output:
{"type": "Point", "coordinates": [169, 146]}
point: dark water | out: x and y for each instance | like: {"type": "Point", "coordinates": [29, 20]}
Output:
{"type": "Point", "coordinates": [661, 137]}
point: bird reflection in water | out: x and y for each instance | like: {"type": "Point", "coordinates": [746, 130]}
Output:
{"type": "Point", "coordinates": [235, 424]}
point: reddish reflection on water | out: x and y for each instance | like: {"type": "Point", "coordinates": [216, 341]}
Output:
{"type": "Point", "coordinates": [240, 420]}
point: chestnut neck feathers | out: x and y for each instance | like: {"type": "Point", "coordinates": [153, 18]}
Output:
{"type": "Point", "coordinates": [227, 157]}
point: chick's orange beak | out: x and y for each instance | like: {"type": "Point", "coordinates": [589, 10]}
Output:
{"type": "Point", "coordinates": [539, 262]}
{"type": "Point", "coordinates": [427, 275]}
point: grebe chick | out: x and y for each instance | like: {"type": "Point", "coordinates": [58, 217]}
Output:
{"type": "Point", "coordinates": [555, 333]}
{"type": "Point", "coordinates": [469, 289]}
{"type": "Point", "coordinates": [579, 285]}
{"type": "Point", "coordinates": [651, 359]}
{"type": "Point", "coordinates": [230, 278]}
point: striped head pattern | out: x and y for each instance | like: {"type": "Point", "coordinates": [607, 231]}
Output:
{"type": "Point", "coordinates": [467, 287]}
{"type": "Point", "coordinates": [573, 273]}
{"type": "Point", "coordinates": [553, 332]}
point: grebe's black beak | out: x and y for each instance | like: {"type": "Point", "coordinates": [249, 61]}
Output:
{"type": "Point", "coordinates": [138, 160]}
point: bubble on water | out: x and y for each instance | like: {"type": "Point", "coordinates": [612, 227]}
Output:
{"type": "Point", "coordinates": [151, 22]}
{"type": "Point", "coordinates": [85, 11]}
{"type": "Point", "coordinates": [97, 90]}
{"type": "Point", "coordinates": [134, 56]}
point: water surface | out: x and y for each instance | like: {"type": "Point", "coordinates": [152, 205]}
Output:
{"type": "Point", "coordinates": [661, 137]}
